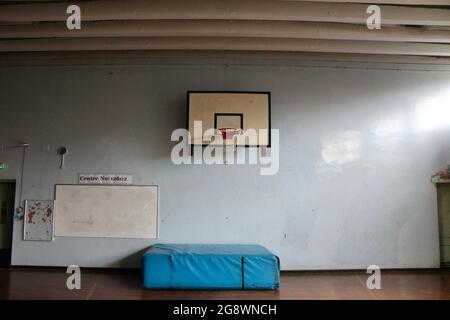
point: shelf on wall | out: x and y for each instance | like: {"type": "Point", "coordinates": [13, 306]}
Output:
{"type": "Point", "coordinates": [439, 180]}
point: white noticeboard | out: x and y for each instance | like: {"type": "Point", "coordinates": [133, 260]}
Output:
{"type": "Point", "coordinates": [38, 220]}
{"type": "Point", "coordinates": [106, 211]}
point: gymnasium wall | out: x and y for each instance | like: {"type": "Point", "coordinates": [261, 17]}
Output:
{"type": "Point", "coordinates": [357, 149]}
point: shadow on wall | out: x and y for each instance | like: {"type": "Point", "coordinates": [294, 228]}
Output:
{"type": "Point", "coordinates": [132, 261]}
{"type": "Point", "coordinates": [170, 116]}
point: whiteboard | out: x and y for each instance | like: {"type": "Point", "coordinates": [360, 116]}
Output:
{"type": "Point", "coordinates": [106, 211]}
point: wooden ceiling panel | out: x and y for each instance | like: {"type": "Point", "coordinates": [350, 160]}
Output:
{"type": "Point", "coordinates": [226, 28]}
{"type": "Point", "coordinates": [225, 10]}
{"type": "Point", "coordinates": [409, 27]}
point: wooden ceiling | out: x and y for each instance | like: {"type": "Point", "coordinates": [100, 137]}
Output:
{"type": "Point", "coordinates": [419, 28]}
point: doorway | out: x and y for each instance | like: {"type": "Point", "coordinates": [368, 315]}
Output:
{"type": "Point", "coordinates": [7, 199]}
{"type": "Point", "coordinates": [444, 222]}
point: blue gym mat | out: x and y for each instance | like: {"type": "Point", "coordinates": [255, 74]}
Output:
{"type": "Point", "coordinates": [187, 266]}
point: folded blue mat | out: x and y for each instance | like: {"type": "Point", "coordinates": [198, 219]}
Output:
{"type": "Point", "coordinates": [187, 266]}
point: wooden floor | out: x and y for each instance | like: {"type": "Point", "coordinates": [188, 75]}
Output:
{"type": "Point", "coordinates": [50, 283]}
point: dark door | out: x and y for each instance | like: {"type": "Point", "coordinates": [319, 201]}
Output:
{"type": "Point", "coordinates": [444, 222]}
{"type": "Point", "coordinates": [7, 194]}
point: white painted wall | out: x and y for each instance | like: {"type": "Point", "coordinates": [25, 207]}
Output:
{"type": "Point", "coordinates": [357, 148]}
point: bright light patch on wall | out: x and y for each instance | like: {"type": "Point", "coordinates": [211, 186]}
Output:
{"type": "Point", "coordinates": [433, 113]}
{"type": "Point", "coordinates": [340, 148]}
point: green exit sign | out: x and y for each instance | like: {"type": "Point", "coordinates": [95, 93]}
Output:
{"type": "Point", "coordinates": [2, 166]}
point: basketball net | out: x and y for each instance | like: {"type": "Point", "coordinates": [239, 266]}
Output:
{"type": "Point", "coordinates": [229, 136]}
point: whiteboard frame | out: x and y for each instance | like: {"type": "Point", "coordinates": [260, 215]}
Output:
{"type": "Point", "coordinates": [103, 185]}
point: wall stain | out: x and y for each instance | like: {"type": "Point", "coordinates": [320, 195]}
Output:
{"type": "Point", "coordinates": [30, 216]}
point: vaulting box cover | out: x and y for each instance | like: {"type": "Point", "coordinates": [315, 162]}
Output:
{"type": "Point", "coordinates": [183, 266]}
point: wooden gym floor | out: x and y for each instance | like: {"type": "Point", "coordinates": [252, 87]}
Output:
{"type": "Point", "coordinates": [50, 283]}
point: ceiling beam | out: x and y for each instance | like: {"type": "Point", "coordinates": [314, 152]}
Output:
{"type": "Point", "coordinates": [207, 43]}
{"type": "Point", "coordinates": [203, 57]}
{"type": "Point", "coordinates": [230, 9]}
{"type": "Point", "coordinates": [223, 28]}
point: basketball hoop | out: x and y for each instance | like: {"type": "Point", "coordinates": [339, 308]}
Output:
{"type": "Point", "coordinates": [230, 133]}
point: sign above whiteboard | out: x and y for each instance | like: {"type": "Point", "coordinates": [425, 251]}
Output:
{"type": "Point", "coordinates": [105, 178]}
